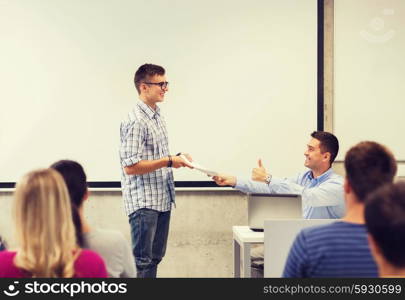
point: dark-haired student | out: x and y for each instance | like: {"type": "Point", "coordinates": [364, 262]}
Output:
{"type": "Point", "coordinates": [2, 244]}
{"type": "Point", "coordinates": [321, 188]}
{"type": "Point", "coordinates": [385, 221]}
{"type": "Point", "coordinates": [341, 249]}
{"type": "Point", "coordinates": [110, 244]}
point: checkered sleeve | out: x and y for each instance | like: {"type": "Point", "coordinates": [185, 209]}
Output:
{"type": "Point", "coordinates": [132, 143]}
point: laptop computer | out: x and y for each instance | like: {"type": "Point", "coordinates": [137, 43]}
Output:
{"type": "Point", "coordinates": [272, 206]}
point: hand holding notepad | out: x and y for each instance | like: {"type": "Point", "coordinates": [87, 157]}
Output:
{"type": "Point", "coordinates": [199, 167]}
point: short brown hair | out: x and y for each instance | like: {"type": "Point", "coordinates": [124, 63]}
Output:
{"type": "Point", "coordinates": [385, 221]}
{"type": "Point", "coordinates": [328, 143]}
{"type": "Point", "coordinates": [368, 166]}
{"type": "Point", "coordinates": [145, 72]}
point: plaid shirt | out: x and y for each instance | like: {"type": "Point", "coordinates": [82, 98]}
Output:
{"type": "Point", "coordinates": [144, 137]}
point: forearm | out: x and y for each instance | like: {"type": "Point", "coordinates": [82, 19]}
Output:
{"type": "Point", "coordinates": [146, 166]}
{"type": "Point", "coordinates": [278, 186]}
{"type": "Point", "coordinates": [250, 186]}
{"type": "Point", "coordinates": [285, 186]}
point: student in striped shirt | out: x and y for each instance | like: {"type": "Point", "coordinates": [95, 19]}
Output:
{"type": "Point", "coordinates": [340, 249]}
{"type": "Point", "coordinates": [385, 221]}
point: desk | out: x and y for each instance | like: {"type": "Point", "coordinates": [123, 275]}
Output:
{"type": "Point", "coordinates": [243, 237]}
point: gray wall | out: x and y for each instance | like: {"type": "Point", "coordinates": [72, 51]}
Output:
{"type": "Point", "coordinates": [200, 240]}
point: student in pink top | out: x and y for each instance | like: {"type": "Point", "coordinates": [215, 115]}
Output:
{"type": "Point", "coordinates": [45, 233]}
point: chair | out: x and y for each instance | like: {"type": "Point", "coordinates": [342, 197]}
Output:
{"type": "Point", "coordinates": [278, 238]}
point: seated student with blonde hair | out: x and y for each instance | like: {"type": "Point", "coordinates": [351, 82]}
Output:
{"type": "Point", "coordinates": [385, 221]}
{"type": "Point", "coordinates": [110, 244]}
{"type": "Point", "coordinates": [45, 233]}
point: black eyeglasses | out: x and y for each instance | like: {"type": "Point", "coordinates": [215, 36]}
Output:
{"type": "Point", "coordinates": [162, 84]}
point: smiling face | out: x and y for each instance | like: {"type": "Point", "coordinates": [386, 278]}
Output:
{"type": "Point", "coordinates": [314, 158]}
{"type": "Point", "coordinates": [152, 91]}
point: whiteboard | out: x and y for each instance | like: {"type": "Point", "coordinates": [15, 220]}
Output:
{"type": "Point", "coordinates": [369, 74]}
{"type": "Point", "coordinates": [242, 81]}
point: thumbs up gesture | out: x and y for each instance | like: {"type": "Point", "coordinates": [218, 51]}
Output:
{"type": "Point", "coordinates": [259, 173]}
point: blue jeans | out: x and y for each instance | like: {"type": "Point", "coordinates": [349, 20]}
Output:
{"type": "Point", "coordinates": [149, 233]}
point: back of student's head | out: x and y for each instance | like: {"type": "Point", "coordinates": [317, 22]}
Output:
{"type": "Point", "coordinates": [385, 221]}
{"type": "Point", "coordinates": [44, 227]}
{"type": "Point", "coordinates": [75, 179]}
{"type": "Point", "coordinates": [369, 165]}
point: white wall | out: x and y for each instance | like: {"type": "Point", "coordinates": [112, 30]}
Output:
{"type": "Point", "coordinates": [242, 81]}
{"type": "Point", "coordinates": [370, 74]}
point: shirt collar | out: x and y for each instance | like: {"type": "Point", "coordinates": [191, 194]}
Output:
{"type": "Point", "coordinates": [148, 110]}
{"type": "Point", "coordinates": [322, 177]}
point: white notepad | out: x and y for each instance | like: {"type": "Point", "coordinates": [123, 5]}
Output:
{"type": "Point", "coordinates": [199, 167]}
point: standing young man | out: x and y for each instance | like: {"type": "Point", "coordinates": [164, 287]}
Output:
{"type": "Point", "coordinates": [147, 177]}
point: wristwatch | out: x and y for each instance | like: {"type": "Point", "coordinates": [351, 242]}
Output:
{"type": "Point", "coordinates": [268, 179]}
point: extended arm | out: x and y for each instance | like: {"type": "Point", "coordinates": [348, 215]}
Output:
{"type": "Point", "coordinates": [147, 166]}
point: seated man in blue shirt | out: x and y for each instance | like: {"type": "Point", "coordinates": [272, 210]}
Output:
{"type": "Point", "coordinates": [340, 249]}
{"type": "Point", "coordinates": [320, 187]}
{"type": "Point", "coordinates": [385, 221]}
